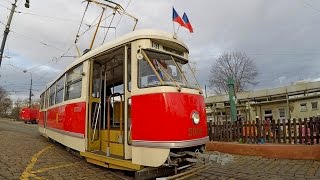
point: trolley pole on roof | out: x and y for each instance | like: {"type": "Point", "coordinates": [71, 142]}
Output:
{"type": "Point", "coordinates": [7, 29]}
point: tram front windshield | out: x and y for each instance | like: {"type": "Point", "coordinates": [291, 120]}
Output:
{"type": "Point", "coordinates": [166, 71]}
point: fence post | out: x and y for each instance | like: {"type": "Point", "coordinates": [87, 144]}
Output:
{"type": "Point", "coordinates": [240, 130]}
{"type": "Point", "coordinates": [311, 130]}
{"type": "Point", "coordinates": [230, 130]}
{"type": "Point", "coordinates": [317, 129]}
{"type": "Point", "coordinates": [234, 130]}
{"type": "Point", "coordinates": [254, 124]}
{"type": "Point", "coordinates": [210, 130]}
{"type": "Point", "coordinates": [279, 130]}
{"type": "Point", "coordinates": [269, 123]}
{"type": "Point", "coordinates": [250, 132]}
{"type": "Point", "coordinates": [284, 127]}
{"type": "Point", "coordinates": [258, 125]}
{"type": "Point", "coordinates": [295, 131]}
{"type": "Point", "coordinates": [245, 131]}
{"type": "Point", "coordinates": [306, 135]}
{"type": "Point", "coordinates": [224, 131]}
{"type": "Point", "coordinates": [264, 130]}
{"type": "Point", "coordinates": [274, 134]}
{"type": "Point", "coordinates": [300, 131]}
{"type": "Point", "coordinates": [289, 131]}
{"type": "Point", "coordinates": [221, 131]}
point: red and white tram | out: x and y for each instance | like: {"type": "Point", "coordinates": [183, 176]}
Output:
{"type": "Point", "coordinates": [129, 104]}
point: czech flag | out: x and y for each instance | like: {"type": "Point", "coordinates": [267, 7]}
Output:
{"type": "Point", "coordinates": [177, 18]}
{"type": "Point", "coordinates": [187, 23]}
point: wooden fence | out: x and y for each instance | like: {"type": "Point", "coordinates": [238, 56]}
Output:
{"type": "Point", "coordinates": [295, 131]}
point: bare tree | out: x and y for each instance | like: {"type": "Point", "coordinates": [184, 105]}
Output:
{"type": "Point", "coordinates": [5, 103]}
{"type": "Point", "coordinates": [236, 65]}
{"type": "Point", "coordinates": [18, 104]}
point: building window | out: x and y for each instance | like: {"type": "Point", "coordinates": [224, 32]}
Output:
{"type": "Point", "coordinates": [74, 83]}
{"type": "Point", "coordinates": [268, 112]}
{"type": "Point", "coordinates": [282, 113]}
{"type": "Point", "coordinates": [303, 107]}
{"type": "Point", "coordinates": [314, 105]}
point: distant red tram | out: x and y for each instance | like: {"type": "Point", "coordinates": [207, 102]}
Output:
{"type": "Point", "coordinates": [30, 115]}
{"type": "Point", "coordinates": [129, 104]}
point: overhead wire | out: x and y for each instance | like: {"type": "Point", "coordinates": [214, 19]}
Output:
{"type": "Point", "coordinates": [93, 25]}
{"type": "Point", "coordinates": [9, 1]}
{"type": "Point", "coordinates": [84, 13]}
{"type": "Point", "coordinates": [123, 13]}
{"type": "Point", "coordinates": [41, 42]}
{"type": "Point", "coordinates": [311, 6]}
{"type": "Point", "coordinates": [49, 17]}
{"type": "Point", "coordinates": [5, 7]}
{"type": "Point", "coordinates": [114, 13]}
{"type": "Point", "coordinates": [2, 23]}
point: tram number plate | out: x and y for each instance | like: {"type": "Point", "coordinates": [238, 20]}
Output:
{"type": "Point", "coordinates": [194, 131]}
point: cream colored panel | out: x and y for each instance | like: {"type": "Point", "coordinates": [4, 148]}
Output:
{"type": "Point", "coordinates": [69, 141]}
{"type": "Point", "coordinates": [162, 89]}
{"type": "Point", "coordinates": [153, 157]}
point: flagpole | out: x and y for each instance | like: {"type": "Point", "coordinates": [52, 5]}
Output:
{"type": "Point", "coordinates": [178, 28]}
{"type": "Point", "coordinates": [174, 32]}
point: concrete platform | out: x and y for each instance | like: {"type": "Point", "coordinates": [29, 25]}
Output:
{"type": "Point", "coordinates": [278, 151]}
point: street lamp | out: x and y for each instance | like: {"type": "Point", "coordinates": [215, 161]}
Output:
{"type": "Point", "coordinates": [30, 93]}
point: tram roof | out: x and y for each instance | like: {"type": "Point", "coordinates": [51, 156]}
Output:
{"type": "Point", "coordinates": [129, 37]}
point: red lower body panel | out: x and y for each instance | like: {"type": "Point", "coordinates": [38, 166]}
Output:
{"type": "Point", "coordinates": [69, 117]}
{"type": "Point", "coordinates": [166, 117]}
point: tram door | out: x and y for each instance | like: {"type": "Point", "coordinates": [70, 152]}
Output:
{"type": "Point", "coordinates": [94, 122]}
{"type": "Point", "coordinates": [107, 104]}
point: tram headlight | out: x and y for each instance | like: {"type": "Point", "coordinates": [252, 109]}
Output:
{"type": "Point", "coordinates": [195, 117]}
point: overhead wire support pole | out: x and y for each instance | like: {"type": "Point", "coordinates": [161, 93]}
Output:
{"type": "Point", "coordinates": [7, 30]}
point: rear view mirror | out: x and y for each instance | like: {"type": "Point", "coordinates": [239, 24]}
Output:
{"type": "Point", "coordinates": [139, 56]}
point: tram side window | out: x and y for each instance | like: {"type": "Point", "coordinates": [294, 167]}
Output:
{"type": "Point", "coordinates": [59, 91]}
{"type": "Point", "coordinates": [46, 99]}
{"type": "Point", "coordinates": [42, 101]}
{"type": "Point", "coordinates": [52, 94]}
{"type": "Point", "coordinates": [74, 83]}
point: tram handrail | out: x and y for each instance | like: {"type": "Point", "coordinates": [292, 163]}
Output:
{"type": "Point", "coordinates": [108, 121]}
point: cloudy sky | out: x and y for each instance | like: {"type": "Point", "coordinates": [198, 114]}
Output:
{"type": "Point", "coordinates": [281, 36]}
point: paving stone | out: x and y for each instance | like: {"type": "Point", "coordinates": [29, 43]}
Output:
{"type": "Point", "coordinates": [19, 142]}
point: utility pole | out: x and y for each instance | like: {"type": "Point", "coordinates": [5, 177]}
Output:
{"type": "Point", "coordinates": [232, 99]}
{"type": "Point", "coordinates": [7, 29]}
{"type": "Point", "coordinates": [30, 92]}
